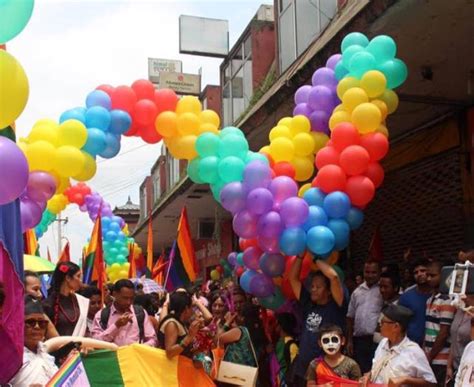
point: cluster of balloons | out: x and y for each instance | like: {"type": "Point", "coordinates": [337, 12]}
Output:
{"type": "Point", "coordinates": [223, 270]}
{"type": "Point", "coordinates": [46, 219]}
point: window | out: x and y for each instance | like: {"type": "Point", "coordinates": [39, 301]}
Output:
{"type": "Point", "coordinates": [143, 203]}
{"type": "Point", "coordinates": [156, 185]}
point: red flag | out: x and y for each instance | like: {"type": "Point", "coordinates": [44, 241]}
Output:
{"type": "Point", "coordinates": [94, 268]}
{"type": "Point", "coordinates": [375, 247]}
{"type": "Point", "coordinates": [149, 248]}
{"type": "Point", "coordinates": [159, 269]}
{"type": "Point", "coordinates": [65, 254]}
{"type": "Point", "coordinates": [186, 248]}
{"type": "Point", "coordinates": [132, 270]}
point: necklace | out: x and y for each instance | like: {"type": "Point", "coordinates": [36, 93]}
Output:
{"type": "Point", "coordinates": [75, 311]}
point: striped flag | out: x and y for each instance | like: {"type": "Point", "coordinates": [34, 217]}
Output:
{"type": "Point", "coordinates": [65, 254]}
{"type": "Point", "coordinates": [149, 248]}
{"type": "Point", "coordinates": [132, 270]}
{"type": "Point", "coordinates": [31, 246]}
{"type": "Point", "coordinates": [158, 270]}
{"type": "Point", "coordinates": [94, 263]}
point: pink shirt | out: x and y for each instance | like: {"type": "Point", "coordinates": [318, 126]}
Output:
{"type": "Point", "coordinates": [128, 334]}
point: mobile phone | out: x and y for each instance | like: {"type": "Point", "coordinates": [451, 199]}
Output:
{"type": "Point", "coordinates": [458, 279]}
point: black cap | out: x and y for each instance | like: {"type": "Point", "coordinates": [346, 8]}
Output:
{"type": "Point", "coordinates": [32, 306]}
{"type": "Point", "coordinates": [398, 313]}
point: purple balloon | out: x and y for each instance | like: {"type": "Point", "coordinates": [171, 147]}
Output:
{"type": "Point", "coordinates": [270, 225]}
{"type": "Point", "coordinates": [294, 211]}
{"type": "Point", "coordinates": [83, 208]}
{"type": "Point", "coordinates": [41, 186]}
{"type": "Point", "coordinates": [13, 171]}
{"type": "Point", "coordinates": [259, 201]}
{"type": "Point", "coordinates": [319, 121]}
{"type": "Point", "coordinates": [30, 214]}
{"type": "Point", "coordinates": [257, 174]}
{"type": "Point", "coordinates": [272, 265]}
{"type": "Point", "coordinates": [302, 109]}
{"type": "Point", "coordinates": [233, 197]}
{"type": "Point", "coordinates": [251, 257]}
{"type": "Point", "coordinates": [333, 61]}
{"type": "Point", "coordinates": [283, 187]}
{"type": "Point", "coordinates": [324, 76]}
{"type": "Point", "coordinates": [269, 245]}
{"type": "Point", "coordinates": [301, 95]}
{"type": "Point", "coordinates": [232, 258]}
{"type": "Point", "coordinates": [261, 285]}
{"type": "Point", "coordinates": [42, 205]}
{"type": "Point", "coordinates": [245, 224]}
{"type": "Point", "coordinates": [320, 98]}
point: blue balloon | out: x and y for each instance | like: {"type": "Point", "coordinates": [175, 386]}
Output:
{"type": "Point", "coordinates": [114, 226]}
{"type": "Point", "coordinates": [337, 204]}
{"type": "Point", "coordinates": [314, 197]}
{"type": "Point", "coordinates": [73, 114]}
{"type": "Point", "coordinates": [120, 121]}
{"type": "Point", "coordinates": [293, 241]}
{"type": "Point", "coordinates": [112, 146]}
{"type": "Point", "coordinates": [316, 217]}
{"type": "Point", "coordinates": [98, 98]}
{"type": "Point", "coordinates": [105, 223]}
{"type": "Point", "coordinates": [110, 236]}
{"type": "Point", "coordinates": [98, 117]}
{"type": "Point", "coordinates": [95, 143]}
{"type": "Point", "coordinates": [246, 278]}
{"type": "Point", "coordinates": [355, 218]}
{"type": "Point", "coordinates": [341, 231]}
{"type": "Point", "coordinates": [320, 240]}
{"type": "Point", "coordinates": [340, 71]}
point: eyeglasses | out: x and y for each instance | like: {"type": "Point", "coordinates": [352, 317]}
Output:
{"type": "Point", "coordinates": [327, 340]}
{"type": "Point", "coordinates": [31, 323]}
{"type": "Point", "coordinates": [382, 322]}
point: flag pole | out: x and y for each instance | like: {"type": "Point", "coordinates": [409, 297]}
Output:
{"type": "Point", "coordinates": [170, 261]}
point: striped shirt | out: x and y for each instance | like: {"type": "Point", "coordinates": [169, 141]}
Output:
{"type": "Point", "coordinates": [439, 311]}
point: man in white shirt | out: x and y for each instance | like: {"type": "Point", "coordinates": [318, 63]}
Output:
{"type": "Point", "coordinates": [363, 315]}
{"type": "Point", "coordinates": [399, 361]}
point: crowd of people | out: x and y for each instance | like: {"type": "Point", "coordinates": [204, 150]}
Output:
{"type": "Point", "coordinates": [384, 330]}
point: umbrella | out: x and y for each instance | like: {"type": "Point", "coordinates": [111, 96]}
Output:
{"type": "Point", "coordinates": [38, 264]}
{"type": "Point", "coordinates": [149, 286]}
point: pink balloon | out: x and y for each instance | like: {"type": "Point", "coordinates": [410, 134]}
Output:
{"type": "Point", "coordinates": [41, 186]}
{"type": "Point", "coordinates": [30, 214]}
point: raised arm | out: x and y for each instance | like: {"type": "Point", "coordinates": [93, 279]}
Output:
{"type": "Point", "coordinates": [336, 286]}
{"type": "Point", "coordinates": [294, 276]}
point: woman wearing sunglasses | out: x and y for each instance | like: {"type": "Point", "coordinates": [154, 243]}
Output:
{"type": "Point", "coordinates": [38, 366]}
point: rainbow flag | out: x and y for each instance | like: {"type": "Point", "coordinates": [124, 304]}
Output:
{"type": "Point", "coordinates": [31, 246]}
{"type": "Point", "coordinates": [135, 365]}
{"type": "Point", "coordinates": [158, 270]}
{"type": "Point", "coordinates": [132, 270]}
{"type": "Point", "coordinates": [94, 263]}
{"type": "Point", "coordinates": [72, 374]}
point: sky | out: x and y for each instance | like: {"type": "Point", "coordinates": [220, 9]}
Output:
{"type": "Point", "coordinates": [70, 47]}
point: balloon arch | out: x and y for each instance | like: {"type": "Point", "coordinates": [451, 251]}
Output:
{"type": "Point", "coordinates": [338, 127]}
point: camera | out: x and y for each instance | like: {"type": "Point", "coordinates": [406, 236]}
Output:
{"type": "Point", "coordinates": [458, 280]}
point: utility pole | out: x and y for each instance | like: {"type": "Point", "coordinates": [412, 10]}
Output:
{"type": "Point", "coordinates": [60, 237]}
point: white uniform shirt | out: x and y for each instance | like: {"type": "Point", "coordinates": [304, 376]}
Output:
{"type": "Point", "coordinates": [465, 374]}
{"type": "Point", "coordinates": [364, 307]}
{"type": "Point", "coordinates": [404, 359]}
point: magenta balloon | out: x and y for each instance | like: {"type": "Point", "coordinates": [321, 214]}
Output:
{"type": "Point", "coordinates": [252, 257]}
{"type": "Point", "coordinates": [261, 285]}
{"type": "Point", "coordinates": [283, 187]}
{"type": "Point", "coordinates": [42, 205]}
{"type": "Point", "coordinates": [41, 186]}
{"type": "Point", "coordinates": [13, 171]}
{"type": "Point", "coordinates": [245, 224]}
{"type": "Point", "coordinates": [30, 214]}
{"type": "Point", "coordinates": [324, 76]}
{"type": "Point", "coordinates": [294, 211]}
{"type": "Point", "coordinates": [233, 197]}
{"type": "Point", "coordinates": [259, 201]}
{"type": "Point", "coordinates": [272, 265]}
{"type": "Point", "coordinates": [270, 225]}
{"type": "Point", "coordinates": [333, 61]}
{"type": "Point", "coordinates": [302, 109]}
{"type": "Point", "coordinates": [257, 174]}
{"type": "Point", "coordinates": [301, 95]}
{"type": "Point", "coordinates": [269, 245]}
{"type": "Point", "coordinates": [321, 98]}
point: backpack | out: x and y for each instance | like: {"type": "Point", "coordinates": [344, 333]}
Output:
{"type": "Point", "coordinates": [139, 314]}
{"type": "Point", "coordinates": [290, 375]}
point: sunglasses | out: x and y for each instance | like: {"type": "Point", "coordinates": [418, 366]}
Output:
{"type": "Point", "coordinates": [31, 323]}
{"type": "Point", "coordinates": [333, 339]}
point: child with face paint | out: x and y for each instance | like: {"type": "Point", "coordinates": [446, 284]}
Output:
{"type": "Point", "coordinates": [333, 366]}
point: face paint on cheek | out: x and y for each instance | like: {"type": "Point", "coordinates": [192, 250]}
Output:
{"type": "Point", "coordinates": [331, 343]}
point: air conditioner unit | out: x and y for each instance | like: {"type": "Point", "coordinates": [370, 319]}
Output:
{"type": "Point", "coordinates": [206, 229]}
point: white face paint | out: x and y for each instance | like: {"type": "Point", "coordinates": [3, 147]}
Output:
{"type": "Point", "coordinates": [331, 343]}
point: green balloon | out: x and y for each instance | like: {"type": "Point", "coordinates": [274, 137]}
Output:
{"type": "Point", "coordinates": [349, 53]}
{"type": "Point", "coordinates": [395, 71]}
{"type": "Point", "coordinates": [193, 170]}
{"type": "Point", "coordinates": [231, 130]}
{"type": "Point", "coordinates": [207, 144]}
{"type": "Point", "coordinates": [233, 145]}
{"type": "Point", "coordinates": [14, 16]}
{"type": "Point", "coordinates": [383, 48]}
{"type": "Point", "coordinates": [354, 38]}
{"type": "Point", "coordinates": [231, 169]}
{"type": "Point", "coordinates": [216, 189]}
{"type": "Point", "coordinates": [340, 71]}
{"type": "Point", "coordinates": [207, 169]}
{"type": "Point", "coordinates": [360, 63]}
{"type": "Point", "coordinates": [274, 301]}
{"type": "Point", "coordinates": [251, 156]}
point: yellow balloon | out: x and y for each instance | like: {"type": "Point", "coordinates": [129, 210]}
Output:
{"type": "Point", "coordinates": [188, 123]}
{"type": "Point", "coordinates": [304, 168]}
{"type": "Point", "coordinates": [338, 117]}
{"type": "Point", "coordinates": [354, 97]}
{"type": "Point", "coordinates": [382, 129]}
{"type": "Point", "coordinates": [285, 121]}
{"type": "Point", "coordinates": [57, 203]}
{"type": "Point", "coordinates": [303, 189]}
{"type": "Point", "coordinates": [300, 124]}
{"type": "Point", "coordinates": [391, 100]}
{"type": "Point", "coordinates": [14, 89]}
{"type": "Point", "coordinates": [62, 183]}
{"type": "Point", "coordinates": [366, 117]}
{"type": "Point", "coordinates": [320, 140]}
{"type": "Point", "coordinates": [339, 108]}
{"type": "Point", "coordinates": [89, 170]}
{"type": "Point", "coordinates": [282, 149]}
{"type": "Point", "coordinates": [207, 127]}
{"type": "Point", "coordinates": [44, 130]}
{"type": "Point", "coordinates": [345, 84]}
{"type": "Point", "coordinates": [210, 117]}
{"type": "Point", "coordinates": [279, 131]}
{"type": "Point", "coordinates": [304, 144]}
{"type": "Point", "coordinates": [188, 104]}
{"type": "Point", "coordinates": [72, 133]}
{"type": "Point", "coordinates": [374, 83]}
{"type": "Point", "coordinates": [185, 147]}
{"type": "Point", "coordinates": [69, 161]}
{"type": "Point", "coordinates": [165, 124]}
{"type": "Point", "coordinates": [382, 107]}
{"type": "Point", "coordinates": [215, 275]}
{"type": "Point", "coordinates": [41, 156]}
{"type": "Point", "coordinates": [170, 143]}
{"type": "Point", "coordinates": [265, 149]}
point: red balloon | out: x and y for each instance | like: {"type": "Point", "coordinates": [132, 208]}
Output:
{"type": "Point", "coordinates": [284, 168]}
{"type": "Point", "coordinates": [124, 98]}
{"type": "Point", "coordinates": [331, 178]}
{"type": "Point", "coordinates": [150, 135]}
{"type": "Point", "coordinates": [133, 130]}
{"type": "Point", "coordinates": [219, 269]}
{"type": "Point", "coordinates": [165, 100]}
{"type": "Point", "coordinates": [354, 160]}
{"type": "Point", "coordinates": [375, 173]}
{"type": "Point", "coordinates": [246, 243]}
{"type": "Point", "coordinates": [109, 89]}
{"type": "Point", "coordinates": [239, 271]}
{"type": "Point", "coordinates": [343, 135]}
{"type": "Point", "coordinates": [361, 190]}
{"type": "Point", "coordinates": [143, 89]}
{"type": "Point", "coordinates": [145, 112]}
{"type": "Point", "coordinates": [327, 156]}
{"type": "Point", "coordinates": [376, 144]}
